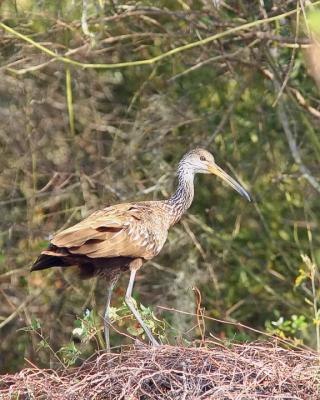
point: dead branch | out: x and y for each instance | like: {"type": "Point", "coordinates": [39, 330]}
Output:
{"type": "Point", "coordinates": [254, 371]}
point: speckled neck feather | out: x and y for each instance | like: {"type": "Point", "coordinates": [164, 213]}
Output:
{"type": "Point", "coordinates": [182, 198]}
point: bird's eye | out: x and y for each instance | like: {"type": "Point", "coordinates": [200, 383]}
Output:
{"type": "Point", "coordinates": [202, 158]}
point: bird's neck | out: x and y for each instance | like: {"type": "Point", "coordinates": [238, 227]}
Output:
{"type": "Point", "coordinates": [182, 198]}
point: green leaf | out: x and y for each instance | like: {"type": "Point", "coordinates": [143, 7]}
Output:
{"type": "Point", "coordinates": [135, 331]}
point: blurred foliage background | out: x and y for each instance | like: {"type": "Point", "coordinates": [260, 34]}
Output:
{"type": "Point", "coordinates": [77, 137]}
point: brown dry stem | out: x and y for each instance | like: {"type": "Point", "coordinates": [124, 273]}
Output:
{"type": "Point", "coordinates": [247, 371]}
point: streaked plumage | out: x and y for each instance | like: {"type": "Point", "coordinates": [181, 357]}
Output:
{"type": "Point", "coordinates": [124, 236]}
{"type": "Point", "coordinates": [116, 234]}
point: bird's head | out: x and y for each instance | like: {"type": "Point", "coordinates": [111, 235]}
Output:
{"type": "Point", "coordinates": [202, 162]}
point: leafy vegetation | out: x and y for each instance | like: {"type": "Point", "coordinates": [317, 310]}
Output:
{"type": "Point", "coordinates": [78, 132]}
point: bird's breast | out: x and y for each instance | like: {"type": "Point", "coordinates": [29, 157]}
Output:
{"type": "Point", "coordinates": [149, 235]}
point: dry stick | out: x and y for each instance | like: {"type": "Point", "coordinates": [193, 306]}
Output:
{"type": "Point", "coordinates": [19, 308]}
{"type": "Point", "coordinates": [141, 88]}
{"type": "Point", "coordinates": [288, 41]}
{"type": "Point", "coordinates": [12, 64]}
{"type": "Point", "coordinates": [302, 101]}
{"type": "Point", "coordinates": [283, 118]}
{"type": "Point", "coordinates": [194, 239]}
{"type": "Point", "coordinates": [200, 315]}
{"type": "Point", "coordinates": [237, 324]}
{"type": "Point", "coordinates": [84, 22]}
{"type": "Point", "coordinates": [246, 371]}
{"type": "Point", "coordinates": [227, 113]}
{"type": "Point", "coordinates": [305, 16]}
{"type": "Point", "coordinates": [289, 89]}
{"type": "Point", "coordinates": [286, 79]}
{"type": "Point", "coordinates": [62, 191]}
{"type": "Point", "coordinates": [52, 182]}
{"type": "Point", "coordinates": [13, 272]}
{"type": "Point", "coordinates": [151, 60]}
{"type": "Point", "coordinates": [212, 59]}
{"type": "Point", "coordinates": [39, 66]}
{"type": "Point", "coordinates": [39, 195]}
{"type": "Point", "coordinates": [121, 333]}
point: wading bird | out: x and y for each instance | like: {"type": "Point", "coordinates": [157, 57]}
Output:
{"type": "Point", "coordinates": [124, 236]}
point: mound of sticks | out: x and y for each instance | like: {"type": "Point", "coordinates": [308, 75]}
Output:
{"type": "Point", "coordinates": [241, 371]}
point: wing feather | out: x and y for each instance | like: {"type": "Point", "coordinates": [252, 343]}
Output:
{"type": "Point", "coordinates": [93, 227]}
{"type": "Point", "coordinates": [112, 232]}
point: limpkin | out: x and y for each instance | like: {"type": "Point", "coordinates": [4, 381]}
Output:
{"type": "Point", "coordinates": [124, 236]}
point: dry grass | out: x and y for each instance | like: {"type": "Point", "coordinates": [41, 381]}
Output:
{"type": "Point", "coordinates": [246, 371]}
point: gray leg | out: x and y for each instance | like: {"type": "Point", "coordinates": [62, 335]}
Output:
{"type": "Point", "coordinates": [106, 321]}
{"type": "Point", "coordinates": [130, 304]}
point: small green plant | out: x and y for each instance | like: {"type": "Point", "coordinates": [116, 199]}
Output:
{"type": "Point", "coordinates": [69, 354]}
{"type": "Point", "coordinates": [292, 327]}
{"type": "Point", "coordinates": [36, 328]}
{"type": "Point", "coordinates": [309, 272]}
{"type": "Point", "coordinates": [296, 326]}
{"type": "Point", "coordinates": [88, 329]}
{"type": "Point", "coordinates": [123, 316]}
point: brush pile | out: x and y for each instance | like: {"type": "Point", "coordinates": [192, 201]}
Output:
{"type": "Point", "coordinates": [241, 371]}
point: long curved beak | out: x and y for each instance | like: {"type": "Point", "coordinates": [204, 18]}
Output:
{"type": "Point", "coordinates": [214, 169]}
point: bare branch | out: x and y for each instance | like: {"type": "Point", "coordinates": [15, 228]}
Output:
{"type": "Point", "coordinates": [283, 118]}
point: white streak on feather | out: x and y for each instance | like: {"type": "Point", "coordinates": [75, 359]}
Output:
{"type": "Point", "coordinates": [136, 237]}
{"type": "Point", "coordinates": [117, 234]}
{"type": "Point", "coordinates": [145, 242]}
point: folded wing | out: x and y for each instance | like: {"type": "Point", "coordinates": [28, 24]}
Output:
{"type": "Point", "coordinates": [116, 231]}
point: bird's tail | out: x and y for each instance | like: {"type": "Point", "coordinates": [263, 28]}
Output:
{"type": "Point", "coordinates": [47, 261]}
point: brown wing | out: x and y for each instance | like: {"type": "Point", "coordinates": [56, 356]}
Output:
{"type": "Point", "coordinates": [116, 231]}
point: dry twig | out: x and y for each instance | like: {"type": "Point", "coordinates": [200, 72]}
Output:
{"type": "Point", "coordinates": [255, 371]}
